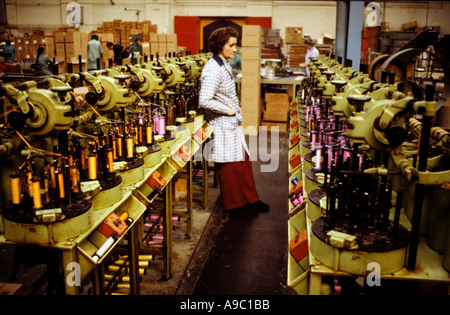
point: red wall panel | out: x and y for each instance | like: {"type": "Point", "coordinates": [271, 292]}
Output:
{"type": "Point", "coordinates": [265, 22]}
{"type": "Point", "coordinates": [186, 28]}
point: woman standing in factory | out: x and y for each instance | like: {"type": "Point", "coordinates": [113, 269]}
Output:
{"type": "Point", "coordinates": [228, 148]}
{"type": "Point", "coordinates": [311, 53]}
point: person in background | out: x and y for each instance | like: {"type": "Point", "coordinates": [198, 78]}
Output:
{"type": "Point", "coordinates": [9, 51]}
{"type": "Point", "coordinates": [311, 53]}
{"type": "Point", "coordinates": [120, 53]}
{"type": "Point", "coordinates": [228, 148]}
{"type": "Point", "coordinates": [236, 63]}
{"type": "Point", "coordinates": [43, 63]}
{"type": "Point", "coordinates": [137, 48]}
{"type": "Point", "coordinates": [95, 51]}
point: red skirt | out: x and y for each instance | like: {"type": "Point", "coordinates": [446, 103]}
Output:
{"type": "Point", "coordinates": [237, 184]}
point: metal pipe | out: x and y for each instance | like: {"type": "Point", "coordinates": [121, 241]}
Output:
{"type": "Point", "coordinates": [424, 143]}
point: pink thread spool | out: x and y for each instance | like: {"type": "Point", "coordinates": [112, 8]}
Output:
{"type": "Point", "coordinates": [361, 160]}
{"type": "Point", "coordinates": [153, 243]}
{"type": "Point", "coordinates": [330, 156]}
{"type": "Point", "coordinates": [159, 122]}
{"type": "Point", "coordinates": [317, 166]}
{"type": "Point", "coordinates": [313, 140]}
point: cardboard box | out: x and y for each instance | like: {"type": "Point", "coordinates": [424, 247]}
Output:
{"type": "Point", "coordinates": [154, 48]}
{"type": "Point", "coordinates": [62, 67]}
{"type": "Point", "coordinates": [172, 38]}
{"type": "Point", "coordinates": [279, 116]}
{"type": "Point", "coordinates": [70, 50]}
{"type": "Point", "coordinates": [274, 126]}
{"type": "Point", "coordinates": [49, 40]}
{"type": "Point", "coordinates": [252, 91]}
{"type": "Point", "coordinates": [146, 49]}
{"type": "Point", "coordinates": [107, 37]}
{"type": "Point", "coordinates": [251, 36]}
{"type": "Point", "coordinates": [171, 47]}
{"type": "Point", "coordinates": [60, 37]}
{"type": "Point", "coordinates": [276, 97]}
{"type": "Point", "coordinates": [19, 52]}
{"type": "Point", "coordinates": [50, 50]}
{"type": "Point", "coordinates": [277, 106]}
{"type": "Point", "coordinates": [250, 105]}
{"type": "Point", "coordinates": [294, 35]}
{"type": "Point", "coordinates": [251, 67]}
{"type": "Point", "coordinates": [73, 37]}
{"type": "Point", "coordinates": [251, 122]}
{"type": "Point", "coordinates": [154, 38]}
{"type": "Point", "coordinates": [60, 52]}
{"type": "Point", "coordinates": [162, 38]}
{"type": "Point", "coordinates": [250, 53]}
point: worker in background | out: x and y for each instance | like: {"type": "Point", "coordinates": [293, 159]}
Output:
{"type": "Point", "coordinates": [311, 53]}
{"type": "Point", "coordinates": [95, 51]}
{"type": "Point", "coordinates": [43, 63]}
{"type": "Point", "coordinates": [120, 53]}
{"type": "Point", "coordinates": [137, 48]}
{"type": "Point", "coordinates": [9, 52]}
{"type": "Point", "coordinates": [227, 148]}
{"type": "Point", "coordinates": [236, 63]}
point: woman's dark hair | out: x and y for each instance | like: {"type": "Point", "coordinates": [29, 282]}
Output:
{"type": "Point", "coordinates": [40, 51]}
{"type": "Point", "coordinates": [109, 44]}
{"type": "Point", "coordinates": [220, 37]}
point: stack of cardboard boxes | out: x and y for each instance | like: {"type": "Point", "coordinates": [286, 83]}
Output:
{"type": "Point", "coordinates": [68, 45]}
{"type": "Point", "coordinates": [294, 35]}
{"type": "Point", "coordinates": [125, 33]}
{"type": "Point", "coordinates": [277, 111]}
{"type": "Point", "coordinates": [161, 44]}
{"type": "Point", "coordinates": [296, 54]}
{"type": "Point", "coordinates": [26, 47]}
{"type": "Point", "coordinates": [122, 30]}
{"type": "Point", "coordinates": [296, 50]}
{"type": "Point", "coordinates": [251, 78]}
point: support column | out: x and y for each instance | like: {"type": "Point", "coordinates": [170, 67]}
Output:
{"type": "Point", "coordinates": [355, 28]}
{"type": "Point", "coordinates": [342, 12]}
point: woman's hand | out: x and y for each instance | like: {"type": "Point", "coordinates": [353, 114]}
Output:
{"type": "Point", "coordinates": [231, 112]}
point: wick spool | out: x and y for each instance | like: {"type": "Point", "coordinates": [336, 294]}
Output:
{"type": "Point", "coordinates": [60, 179]}
{"type": "Point", "coordinates": [110, 159]}
{"type": "Point", "coordinates": [130, 146]}
{"type": "Point", "coordinates": [36, 186]}
{"type": "Point", "coordinates": [92, 161]}
{"type": "Point", "coordinates": [15, 188]}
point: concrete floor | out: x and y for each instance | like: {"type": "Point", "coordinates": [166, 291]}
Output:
{"type": "Point", "coordinates": [237, 253]}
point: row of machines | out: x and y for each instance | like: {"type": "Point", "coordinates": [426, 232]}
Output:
{"type": "Point", "coordinates": [82, 155]}
{"type": "Point", "coordinates": [369, 185]}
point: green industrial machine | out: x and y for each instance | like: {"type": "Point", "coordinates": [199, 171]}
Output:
{"type": "Point", "coordinates": [84, 155]}
{"type": "Point", "coordinates": [372, 160]}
